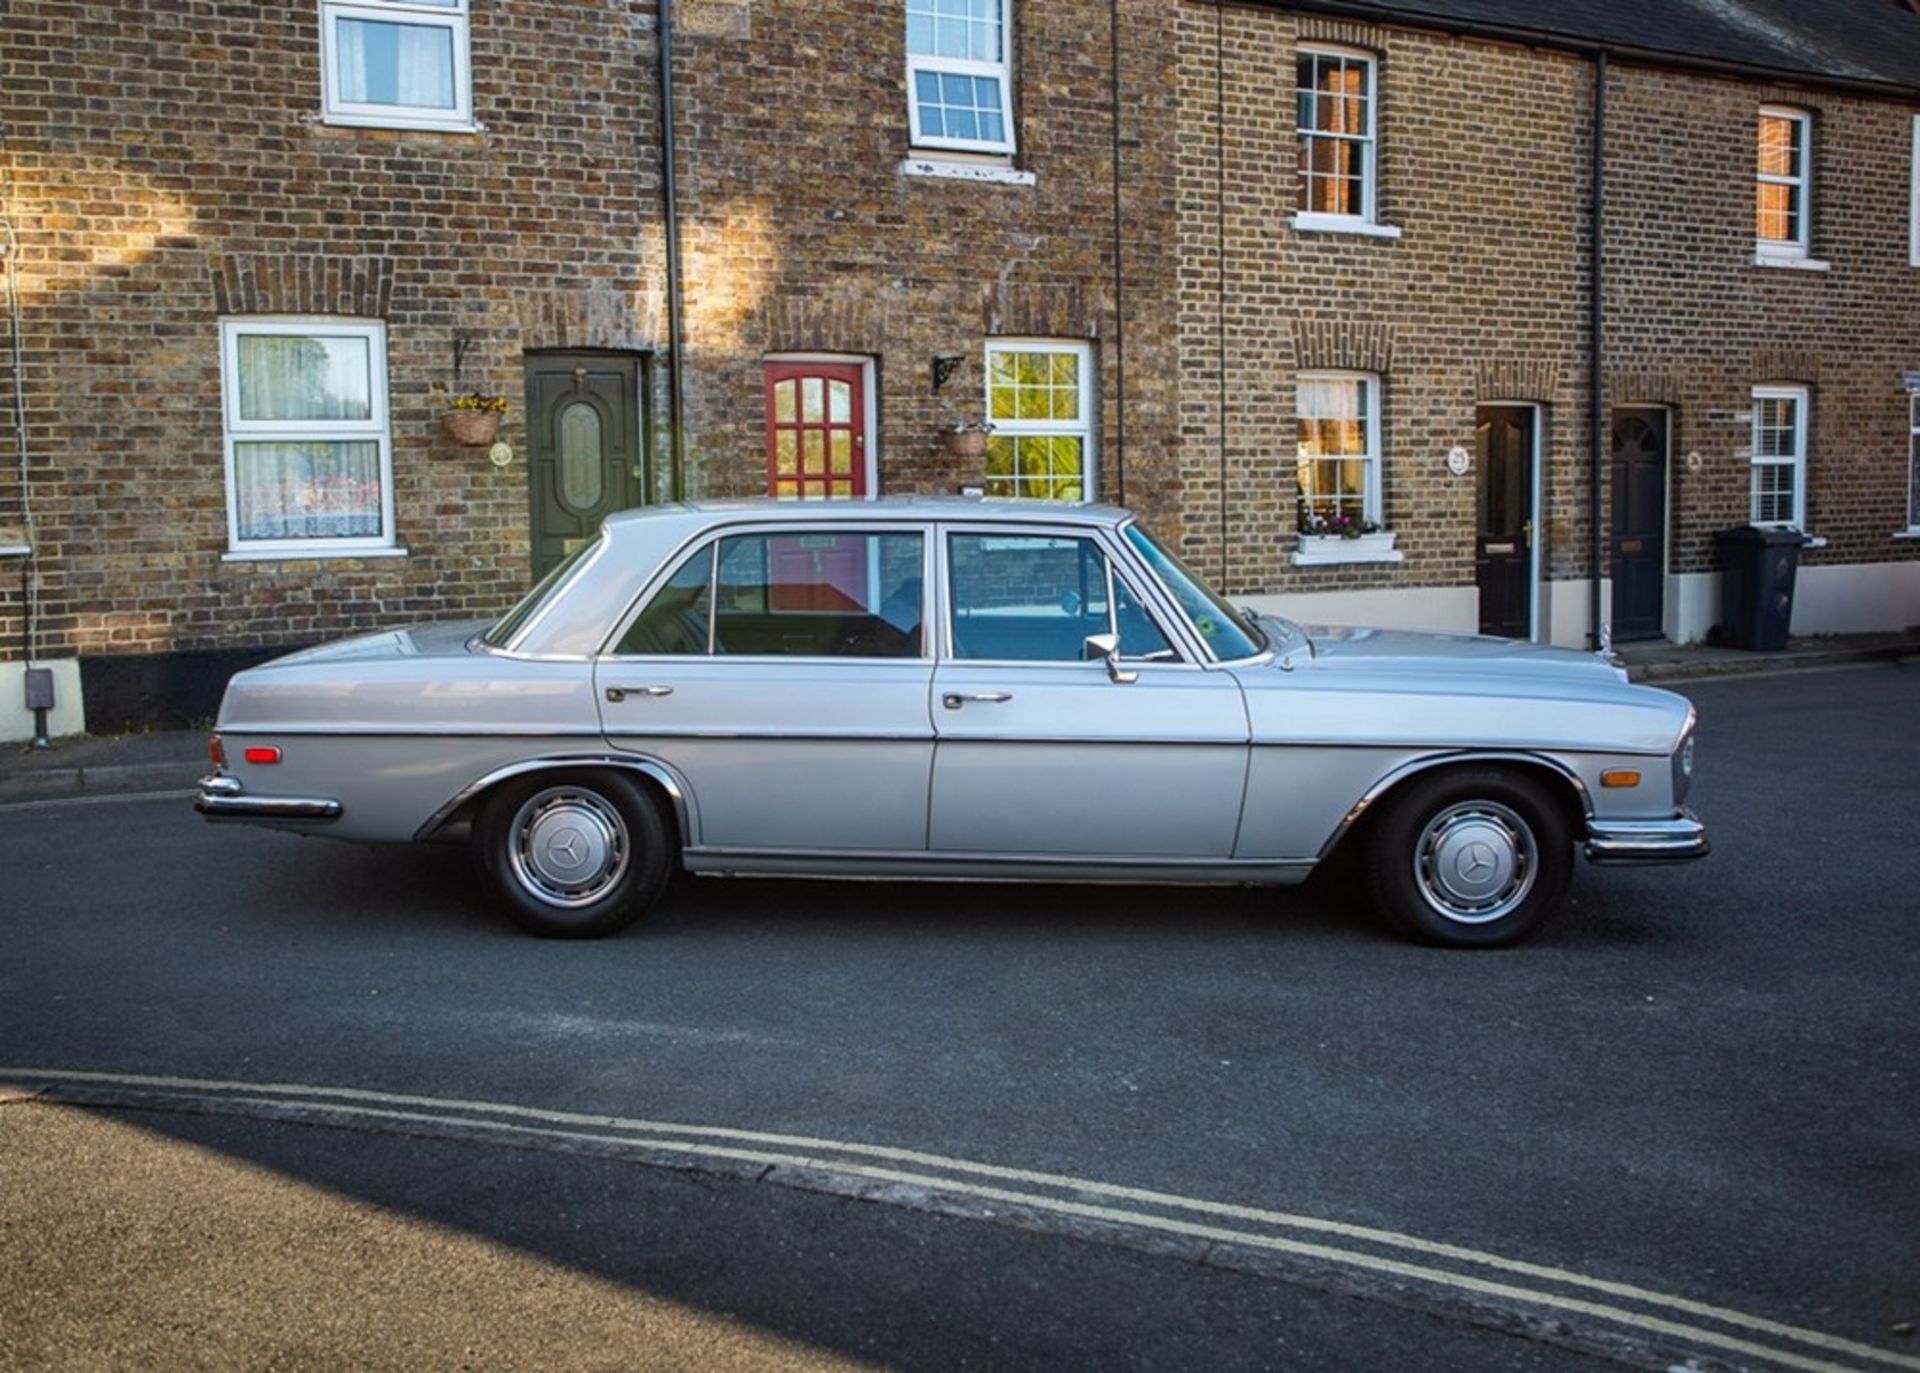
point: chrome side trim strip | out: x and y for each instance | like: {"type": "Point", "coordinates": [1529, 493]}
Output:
{"type": "Point", "coordinates": [659, 772]}
{"type": "Point", "coordinates": [223, 798]}
{"type": "Point", "coordinates": [946, 866]}
{"type": "Point", "coordinates": [1679, 840]}
{"type": "Point", "coordinates": [416, 730]}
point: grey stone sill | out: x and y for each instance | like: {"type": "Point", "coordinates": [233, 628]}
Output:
{"type": "Point", "coordinates": [1340, 224]}
{"type": "Point", "coordinates": [308, 555]}
{"type": "Point", "coordinates": [1794, 264]}
{"type": "Point", "coordinates": [992, 173]}
{"type": "Point", "coordinates": [355, 121]}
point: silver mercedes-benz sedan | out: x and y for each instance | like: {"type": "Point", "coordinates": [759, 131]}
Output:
{"type": "Point", "coordinates": [953, 689]}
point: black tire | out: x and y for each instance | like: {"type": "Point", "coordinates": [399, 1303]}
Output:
{"type": "Point", "coordinates": [575, 855]}
{"type": "Point", "coordinates": [1470, 857]}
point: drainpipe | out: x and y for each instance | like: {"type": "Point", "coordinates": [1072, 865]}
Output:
{"type": "Point", "coordinates": [676, 342]}
{"type": "Point", "coordinates": [1596, 337]}
{"type": "Point", "coordinates": [1119, 273]}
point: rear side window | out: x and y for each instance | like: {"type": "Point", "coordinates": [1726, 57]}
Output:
{"type": "Point", "coordinates": [675, 620]}
{"type": "Point", "coordinates": [820, 595]}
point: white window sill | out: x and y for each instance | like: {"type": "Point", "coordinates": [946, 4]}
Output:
{"type": "Point", "coordinates": [1350, 555]}
{"type": "Point", "coordinates": [1815, 541]}
{"type": "Point", "coordinates": [306, 555]}
{"type": "Point", "coordinates": [1913, 533]}
{"type": "Point", "coordinates": [20, 550]}
{"type": "Point", "coordinates": [356, 121]}
{"type": "Point", "coordinates": [1304, 223]}
{"type": "Point", "coordinates": [993, 173]}
{"type": "Point", "coordinates": [1794, 264]}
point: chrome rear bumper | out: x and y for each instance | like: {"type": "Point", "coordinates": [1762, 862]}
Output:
{"type": "Point", "coordinates": [1678, 840]}
{"type": "Point", "coordinates": [222, 798]}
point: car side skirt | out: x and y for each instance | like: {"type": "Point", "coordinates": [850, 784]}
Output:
{"type": "Point", "coordinates": [985, 867]}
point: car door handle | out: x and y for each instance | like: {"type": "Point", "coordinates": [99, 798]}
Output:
{"type": "Point", "coordinates": [617, 694]}
{"type": "Point", "coordinates": [953, 700]}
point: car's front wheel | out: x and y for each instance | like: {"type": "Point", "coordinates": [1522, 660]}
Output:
{"type": "Point", "coordinates": [574, 856]}
{"type": "Point", "coordinates": [1470, 857]}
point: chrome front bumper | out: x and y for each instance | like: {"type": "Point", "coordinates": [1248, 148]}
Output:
{"type": "Point", "coordinates": [223, 798]}
{"type": "Point", "coordinates": [1678, 840]}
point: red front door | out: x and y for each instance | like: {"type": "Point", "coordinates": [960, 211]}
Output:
{"type": "Point", "coordinates": [816, 430]}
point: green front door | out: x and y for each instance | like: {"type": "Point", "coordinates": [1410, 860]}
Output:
{"type": "Point", "coordinates": [586, 445]}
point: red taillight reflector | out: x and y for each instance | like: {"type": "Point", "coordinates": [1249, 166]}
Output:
{"type": "Point", "coordinates": [216, 751]}
{"type": "Point", "coordinates": [262, 755]}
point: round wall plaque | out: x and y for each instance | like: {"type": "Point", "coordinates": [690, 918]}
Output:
{"type": "Point", "coordinates": [1459, 461]}
{"type": "Point", "coordinates": [501, 453]}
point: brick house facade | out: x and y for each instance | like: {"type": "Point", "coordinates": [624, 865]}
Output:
{"type": "Point", "coordinates": [217, 210]}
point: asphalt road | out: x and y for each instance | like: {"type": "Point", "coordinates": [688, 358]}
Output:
{"type": "Point", "coordinates": [1678, 1124]}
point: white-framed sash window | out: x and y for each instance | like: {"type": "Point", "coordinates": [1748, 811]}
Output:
{"type": "Point", "coordinates": [1913, 464]}
{"type": "Point", "coordinates": [1335, 121]}
{"type": "Point", "coordinates": [960, 75]}
{"type": "Point", "coordinates": [1040, 402]}
{"type": "Point", "coordinates": [402, 64]}
{"type": "Point", "coordinates": [1779, 490]}
{"type": "Point", "coordinates": [309, 455]}
{"type": "Point", "coordinates": [1338, 446]}
{"type": "Point", "coordinates": [1783, 183]}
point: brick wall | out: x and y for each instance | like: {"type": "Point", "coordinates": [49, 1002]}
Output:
{"type": "Point", "coordinates": [164, 166]}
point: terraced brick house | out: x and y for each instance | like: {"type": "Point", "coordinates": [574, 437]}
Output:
{"type": "Point", "coordinates": [1273, 273]}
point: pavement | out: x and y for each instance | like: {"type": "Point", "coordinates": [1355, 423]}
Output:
{"type": "Point", "coordinates": [172, 760]}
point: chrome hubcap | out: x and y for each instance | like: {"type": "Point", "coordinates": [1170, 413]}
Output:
{"type": "Point", "coordinates": [1475, 861]}
{"type": "Point", "coordinates": [568, 847]}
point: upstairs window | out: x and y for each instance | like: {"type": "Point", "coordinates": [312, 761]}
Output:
{"type": "Point", "coordinates": [1335, 121]}
{"type": "Point", "coordinates": [959, 81]}
{"type": "Point", "coordinates": [1783, 183]}
{"type": "Point", "coordinates": [1779, 456]}
{"type": "Point", "coordinates": [309, 455]}
{"type": "Point", "coordinates": [398, 64]}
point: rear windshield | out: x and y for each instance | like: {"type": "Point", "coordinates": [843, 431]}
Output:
{"type": "Point", "coordinates": [511, 623]}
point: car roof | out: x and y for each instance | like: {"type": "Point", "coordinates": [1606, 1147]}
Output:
{"type": "Point", "coordinates": [885, 508]}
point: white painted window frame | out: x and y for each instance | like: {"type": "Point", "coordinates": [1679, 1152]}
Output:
{"type": "Point", "coordinates": [1802, 247]}
{"type": "Point", "coordinates": [1369, 217]}
{"type": "Point", "coordinates": [1913, 215]}
{"type": "Point", "coordinates": [1913, 465]}
{"type": "Point", "coordinates": [1086, 428]}
{"type": "Point", "coordinates": [376, 427]}
{"type": "Point", "coordinates": [1003, 69]}
{"type": "Point", "coordinates": [452, 17]}
{"type": "Point", "coordinates": [1373, 499]}
{"type": "Point", "coordinates": [1802, 398]}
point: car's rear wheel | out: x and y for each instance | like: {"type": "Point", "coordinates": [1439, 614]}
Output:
{"type": "Point", "coordinates": [1470, 857]}
{"type": "Point", "coordinates": [575, 855]}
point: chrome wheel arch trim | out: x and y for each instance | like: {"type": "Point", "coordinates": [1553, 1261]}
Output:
{"type": "Point", "coordinates": [668, 780]}
{"type": "Point", "coordinates": [1428, 762]}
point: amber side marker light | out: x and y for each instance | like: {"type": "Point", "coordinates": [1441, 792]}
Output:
{"type": "Point", "coordinates": [216, 751]}
{"type": "Point", "coordinates": [270, 754]}
{"type": "Point", "coordinates": [1614, 777]}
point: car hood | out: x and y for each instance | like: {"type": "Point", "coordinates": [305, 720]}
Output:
{"type": "Point", "coordinates": [1398, 650]}
{"type": "Point", "coordinates": [448, 640]}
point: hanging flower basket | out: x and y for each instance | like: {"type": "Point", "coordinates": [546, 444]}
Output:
{"type": "Point", "coordinates": [474, 420]}
{"type": "Point", "coordinates": [968, 440]}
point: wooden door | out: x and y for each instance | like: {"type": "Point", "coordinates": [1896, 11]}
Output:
{"type": "Point", "coordinates": [586, 446]}
{"type": "Point", "coordinates": [1503, 544]}
{"type": "Point", "coordinates": [1638, 545]}
{"type": "Point", "coordinates": [816, 430]}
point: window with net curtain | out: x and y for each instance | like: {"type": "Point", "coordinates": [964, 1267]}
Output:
{"type": "Point", "coordinates": [399, 62]}
{"type": "Point", "coordinates": [307, 445]}
{"type": "Point", "coordinates": [1335, 124]}
{"type": "Point", "coordinates": [1339, 446]}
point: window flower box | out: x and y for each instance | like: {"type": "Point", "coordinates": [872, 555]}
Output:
{"type": "Point", "coordinates": [1314, 549]}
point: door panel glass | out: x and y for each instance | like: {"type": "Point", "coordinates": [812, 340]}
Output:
{"type": "Point", "coordinates": [1026, 598]}
{"type": "Point", "coordinates": [821, 595]}
{"type": "Point", "coordinates": [839, 403]}
{"type": "Point", "coordinates": [582, 456]}
{"type": "Point", "coordinates": [675, 620]}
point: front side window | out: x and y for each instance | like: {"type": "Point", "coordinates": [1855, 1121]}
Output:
{"type": "Point", "coordinates": [1036, 598]}
{"type": "Point", "coordinates": [1779, 456]}
{"type": "Point", "coordinates": [1040, 403]}
{"type": "Point", "coordinates": [1335, 122]}
{"type": "Point", "coordinates": [396, 63]}
{"type": "Point", "coordinates": [959, 77]}
{"type": "Point", "coordinates": [1782, 182]}
{"type": "Point", "coordinates": [1339, 449]}
{"type": "Point", "coordinates": [309, 456]}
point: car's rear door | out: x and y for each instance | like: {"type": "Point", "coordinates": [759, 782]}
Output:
{"type": "Point", "coordinates": [783, 672]}
{"type": "Point", "coordinates": [1039, 752]}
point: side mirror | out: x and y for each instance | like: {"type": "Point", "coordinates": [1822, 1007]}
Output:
{"type": "Point", "coordinates": [1106, 648]}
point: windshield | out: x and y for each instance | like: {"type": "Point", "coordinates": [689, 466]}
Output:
{"type": "Point", "coordinates": [511, 623]}
{"type": "Point", "coordinates": [1227, 632]}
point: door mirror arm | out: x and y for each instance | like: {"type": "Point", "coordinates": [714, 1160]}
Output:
{"type": "Point", "coordinates": [1106, 648]}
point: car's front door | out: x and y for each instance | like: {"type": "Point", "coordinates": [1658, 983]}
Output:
{"type": "Point", "coordinates": [1039, 752]}
{"type": "Point", "coordinates": [784, 674]}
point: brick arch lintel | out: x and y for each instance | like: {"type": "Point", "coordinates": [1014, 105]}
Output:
{"type": "Point", "coordinates": [599, 316]}
{"type": "Point", "coordinates": [834, 323]}
{"type": "Point", "coordinates": [1343, 346]}
{"type": "Point", "coordinates": [1773, 363]}
{"type": "Point", "coordinates": [1348, 33]}
{"type": "Point", "coordinates": [302, 284]}
{"type": "Point", "coordinates": [1534, 381]}
{"type": "Point", "coordinates": [1644, 386]}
